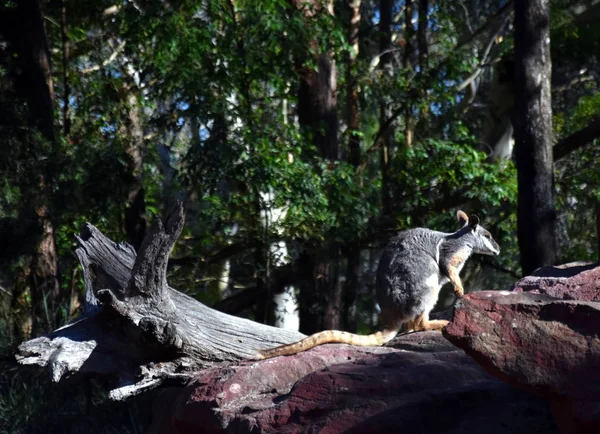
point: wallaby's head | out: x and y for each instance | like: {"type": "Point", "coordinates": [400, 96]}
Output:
{"type": "Point", "coordinates": [476, 235]}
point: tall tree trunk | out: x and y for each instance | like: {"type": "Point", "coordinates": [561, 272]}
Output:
{"type": "Point", "coordinates": [65, 64]}
{"type": "Point", "coordinates": [334, 311]}
{"type": "Point", "coordinates": [328, 273]}
{"type": "Point", "coordinates": [422, 45]}
{"type": "Point", "coordinates": [498, 127]}
{"type": "Point", "coordinates": [36, 77]}
{"type": "Point", "coordinates": [309, 298]}
{"type": "Point", "coordinates": [353, 117]}
{"type": "Point", "coordinates": [35, 84]}
{"type": "Point", "coordinates": [407, 64]}
{"type": "Point", "coordinates": [45, 285]}
{"type": "Point", "coordinates": [21, 316]}
{"type": "Point", "coordinates": [135, 219]}
{"type": "Point", "coordinates": [385, 47]}
{"type": "Point", "coordinates": [597, 211]}
{"type": "Point", "coordinates": [317, 105]}
{"type": "Point", "coordinates": [352, 252]}
{"type": "Point", "coordinates": [351, 287]}
{"type": "Point", "coordinates": [536, 216]}
{"type": "Point", "coordinates": [317, 93]}
{"type": "Point", "coordinates": [317, 112]}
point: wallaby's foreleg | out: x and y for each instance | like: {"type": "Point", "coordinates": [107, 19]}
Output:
{"type": "Point", "coordinates": [422, 323]}
{"type": "Point", "coordinates": [455, 280]}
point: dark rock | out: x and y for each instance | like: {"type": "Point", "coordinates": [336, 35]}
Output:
{"type": "Point", "coordinates": [539, 343]}
{"type": "Point", "coordinates": [422, 385]}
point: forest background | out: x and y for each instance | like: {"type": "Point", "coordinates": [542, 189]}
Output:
{"type": "Point", "coordinates": [301, 136]}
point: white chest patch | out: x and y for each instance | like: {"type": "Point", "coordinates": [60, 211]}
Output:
{"type": "Point", "coordinates": [433, 281]}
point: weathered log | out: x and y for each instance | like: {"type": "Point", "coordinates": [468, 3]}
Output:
{"type": "Point", "coordinates": [137, 329]}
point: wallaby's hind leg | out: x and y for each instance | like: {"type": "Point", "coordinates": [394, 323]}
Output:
{"type": "Point", "coordinates": [422, 323]}
{"type": "Point", "coordinates": [435, 324]}
{"type": "Point", "coordinates": [391, 324]}
{"type": "Point", "coordinates": [408, 326]}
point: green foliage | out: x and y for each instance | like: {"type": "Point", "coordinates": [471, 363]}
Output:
{"type": "Point", "coordinates": [587, 109]}
{"type": "Point", "coordinates": [435, 168]}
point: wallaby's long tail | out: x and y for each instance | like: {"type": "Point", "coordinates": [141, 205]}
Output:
{"type": "Point", "coordinates": [329, 337]}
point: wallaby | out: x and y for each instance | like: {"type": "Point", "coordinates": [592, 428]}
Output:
{"type": "Point", "coordinates": [413, 268]}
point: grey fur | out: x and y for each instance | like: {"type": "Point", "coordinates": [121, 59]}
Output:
{"type": "Point", "coordinates": [415, 265]}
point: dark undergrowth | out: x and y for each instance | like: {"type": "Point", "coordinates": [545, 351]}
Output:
{"type": "Point", "coordinates": [30, 403]}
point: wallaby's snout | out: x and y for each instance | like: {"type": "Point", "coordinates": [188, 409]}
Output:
{"type": "Point", "coordinates": [490, 246]}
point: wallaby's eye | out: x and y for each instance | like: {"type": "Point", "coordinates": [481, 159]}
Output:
{"type": "Point", "coordinates": [487, 236]}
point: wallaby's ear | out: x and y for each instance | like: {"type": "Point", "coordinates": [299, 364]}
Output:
{"type": "Point", "coordinates": [473, 221]}
{"type": "Point", "coordinates": [462, 218]}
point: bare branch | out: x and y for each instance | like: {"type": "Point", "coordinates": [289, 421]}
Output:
{"type": "Point", "coordinates": [149, 275]}
{"type": "Point", "coordinates": [107, 62]}
{"type": "Point", "coordinates": [112, 10]}
{"type": "Point", "coordinates": [577, 140]}
{"type": "Point", "coordinates": [581, 78]}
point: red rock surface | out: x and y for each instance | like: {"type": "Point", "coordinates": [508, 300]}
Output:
{"type": "Point", "coordinates": [422, 385]}
{"type": "Point", "coordinates": [539, 343]}
{"type": "Point", "coordinates": [577, 282]}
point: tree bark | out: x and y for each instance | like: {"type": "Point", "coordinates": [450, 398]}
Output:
{"type": "Point", "coordinates": [352, 251]}
{"type": "Point", "coordinates": [65, 64]}
{"type": "Point", "coordinates": [387, 136]}
{"type": "Point", "coordinates": [532, 120]}
{"type": "Point", "coordinates": [317, 113]}
{"type": "Point", "coordinates": [45, 285]}
{"type": "Point", "coordinates": [317, 93]}
{"type": "Point", "coordinates": [407, 64]}
{"type": "Point", "coordinates": [35, 83]}
{"type": "Point", "coordinates": [135, 220]}
{"type": "Point", "coordinates": [21, 319]}
{"type": "Point", "coordinates": [422, 45]}
{"type": "Point", "coordinates": [133, 320]}
{"type": "Point", "coordinates": [351, 287]}
{"type": "Point", "coordinates": [309, 300]}
{"type": "Point", "coordinates": [36, 77]}
{"type": "Point", "coordinates": [353, 115]}
{"type": "Point", "coordinates": [317, 105]}
{"type": "Point", "coordinates": [328, 281]}
{"type": "Point", "coordinates": [597, 212]}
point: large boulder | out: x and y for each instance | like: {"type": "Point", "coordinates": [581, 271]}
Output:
{"type": "Point", "coordinates": [422, 384]}
{"type": "Point", "coordinates": [549, 345]}
{"type": "Point", "coordinates": [577, 281]}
